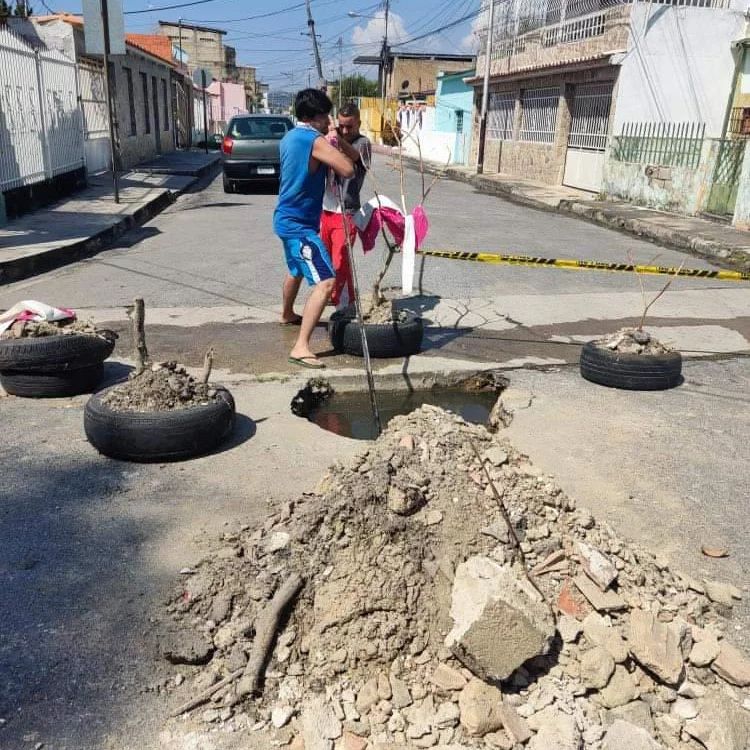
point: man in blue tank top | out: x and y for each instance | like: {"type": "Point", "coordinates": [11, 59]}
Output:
{"type": "Point", "coordinates": [305, 158]}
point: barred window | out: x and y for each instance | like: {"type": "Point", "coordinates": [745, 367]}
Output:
{"type": "Point", "coordinates": [539, 115]}
{"type": "Point", "coordinates": [500, 111]}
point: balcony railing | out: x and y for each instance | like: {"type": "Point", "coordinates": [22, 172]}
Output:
{"type": "Point", "coordinates": [514, 18]}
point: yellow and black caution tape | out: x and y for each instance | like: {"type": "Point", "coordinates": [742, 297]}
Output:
{"type": "Point", "coordinates": [587, 265]}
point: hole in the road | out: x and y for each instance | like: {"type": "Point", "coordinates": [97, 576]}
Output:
{"type": "Point", "coordinates": [349, 414]}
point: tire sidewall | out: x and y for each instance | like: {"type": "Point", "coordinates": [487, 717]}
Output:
{"type": "Point", "coordinates": [384, 340]}
{"type": "Point", "coordinates": [158, 435]}
{"type": "Point", "coordinates": [70, 351]}
{"type": "Point", "coordinates": [646, 372]}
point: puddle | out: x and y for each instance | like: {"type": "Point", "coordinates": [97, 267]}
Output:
{"type": "Point", "coordinates": [349, 414]}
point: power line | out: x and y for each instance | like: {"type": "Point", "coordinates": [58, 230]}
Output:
{"type": "Point", "coordinates": [279, 12]}
{"type": "Point", "coordinates": [451, 25]}
{"type": "Point", "coordinates": [167, 7]}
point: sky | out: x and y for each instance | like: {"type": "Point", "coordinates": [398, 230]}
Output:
{"type": "Point", "coordinates": [272, 34]}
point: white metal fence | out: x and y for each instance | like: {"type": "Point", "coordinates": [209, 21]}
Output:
{"type": "Point", "coordinates": [539, 115]}
{"type": "Point", "coordinates": [41, 129]}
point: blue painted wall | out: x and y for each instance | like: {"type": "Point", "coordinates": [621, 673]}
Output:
{"type": "Point", "coordinates": [454, 103]}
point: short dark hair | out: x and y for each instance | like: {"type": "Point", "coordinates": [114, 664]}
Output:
{"type": "Point", "coordinates": [350, 109]}
{"type": "Point", "coordinates": [311, 102]}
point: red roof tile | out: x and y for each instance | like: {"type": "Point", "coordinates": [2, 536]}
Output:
{"type": "Point", "coordinates": [155, 44]}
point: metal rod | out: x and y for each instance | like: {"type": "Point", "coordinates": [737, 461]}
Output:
{"type": "Point", "coordinates": [360, 317]}
{"type": "Point", "coordinates": [205, 111]}
{"type": "Point", "coordinates": [112, 116]}
{"type": "Point", "coordinates": [485, 89]}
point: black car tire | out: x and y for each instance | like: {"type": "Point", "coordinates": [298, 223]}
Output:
{"type": "Point", "coordinates": [396, 339]}
{"type": "Point", "coordinates": [52, 384]}
{"type": "Point", "coordinates": [158, 436]}
{"type": "Point", "coordinates": [228, 185]}
{"type": "Point", "coordinates": [635, 372]}
{"type": "Point", "coordinates": [54, 353]}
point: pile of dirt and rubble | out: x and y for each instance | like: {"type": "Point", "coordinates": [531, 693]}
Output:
{"type": "Point", "coordinates": [160, 387]}
{"type": "Point", "coordinates": [36, 329]}
{"type": "Point", "coordinates": [384, 313]}
{"type": "Point", "coordinates": [633, 341]}
{"type": "Point", "coordinates": [422, 624]}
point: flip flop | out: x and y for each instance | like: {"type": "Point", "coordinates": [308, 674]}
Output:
{"type": "Point", "coordinates": [296, 322]}
{"type": "Point", "coordinates": [304, 362]}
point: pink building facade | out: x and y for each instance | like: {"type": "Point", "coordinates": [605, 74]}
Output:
{"type": "Point", "coordinates": [226, 101]}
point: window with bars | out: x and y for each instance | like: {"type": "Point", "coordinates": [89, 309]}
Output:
{"type": "Point", "coordinates": [146, 112]}
{"type": "Point", "coordinates": [500, 111]}
{"type": "Point", "coordinates": [165, 98]}
{"type": "Point", "coordinates": [539, 115]}
{"type": "Point", "coordinates": [131, 100]}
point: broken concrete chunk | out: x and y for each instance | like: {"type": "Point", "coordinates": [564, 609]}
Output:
{"type": "Point", "coordinates": [559, 732]}
{"type": "Point", "coordinates": [489, 601]}
{"type": "Point", "coordinates": [319, 725]}
{"type": "Point", "coordinates": [620, 689]}
{"type": "Point", "coordinates": [368, 696]}
{"type": "Point", "coordinates": [655, 647]}
{"type": "Point", "coordinates": [597, 667]}
{"type": "Point", "coordinates": [721, 593]}
{"type": "Point", "coordinates": [721, 725]}
{"type": "Point", "coordinates": [479, 705]}
{"type": "Point", "coordinates": [599, 633]}
{"type": "Point", "coordinates": [495, 455]}
{"type": "Point", "coordinates": [447, 678]}
{"type": "Point", "coordinates": [597, 566]}
{"type": "Point", "coordinates": [569, 628]}
{"type": "Point", "coordinates": [705, 651]}
{"type": "Point", "coordinates": [622, 735]}
{"type": "Point", "coordinates": [732, 666]}
{"type": "Point", "coordinates": [186, 647]}
{"type": "Point", "coordinates": [635, 712]}
{"type": "Point", "coordinates": [572, 602]}
{"type": "Point", "coordinates": [401, 697]}
{"type": "Point", "coordinates": [404, 502]}
{"type": "Point", "coordinates": [602, 601]}
{"type": "Point", "coordinates": [515, 725]}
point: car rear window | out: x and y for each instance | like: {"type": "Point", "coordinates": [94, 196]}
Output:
{"type": "Point", "coordinates": [260, 128]}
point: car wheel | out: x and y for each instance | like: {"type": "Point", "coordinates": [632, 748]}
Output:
{"type": "Point", "coordinates": [228, 185]}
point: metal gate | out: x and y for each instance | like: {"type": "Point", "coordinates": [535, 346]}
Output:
{"type": "Point", "coordinates": [41, 132]}
{"type": "Point", "coordinates": [95, 122]}
{"type": "Point", "coordinates": [726, 182]}
{"type": "Point", "coordinates": [589, 128]}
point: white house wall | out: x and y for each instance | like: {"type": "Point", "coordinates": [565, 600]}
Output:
{"type": "Point", "coordinates": [679, 65]}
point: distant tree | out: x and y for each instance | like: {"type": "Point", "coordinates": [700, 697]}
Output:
{"type": "Point", "coordinates": [353, 86]}
{"type": "Point", "coordinates": [5, 10]}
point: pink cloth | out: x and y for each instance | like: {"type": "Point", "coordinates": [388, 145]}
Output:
{"type": "Point", "coordinates": [394, 222]}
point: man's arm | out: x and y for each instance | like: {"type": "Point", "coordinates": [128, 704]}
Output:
{"type": "Point", "coordinates": [348, 150]}
{"type": "Point", "coordinates": [326, 154]}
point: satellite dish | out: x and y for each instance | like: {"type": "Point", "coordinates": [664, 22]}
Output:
{"type": "Point", "coordinates": [198, 76]}
{"type": "Point", "coordinates": [404, 84]}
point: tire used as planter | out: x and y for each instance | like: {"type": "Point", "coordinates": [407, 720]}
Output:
{"type": "Point", "coordinates": [52, 384]}
{"type": "Point", "coordinates": [400, 338]}
{"type": "Point", "coordinates": [71, 351]}
{"type": "Point", "coordinates": [636, 372]}
{"type": "Point", "coordinates": [158, 435]}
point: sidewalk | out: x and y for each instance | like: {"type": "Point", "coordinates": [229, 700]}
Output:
{"type": "Point", "coordinates": [89, 220]}
{"type": "Point", "coordinates": [711, 240]}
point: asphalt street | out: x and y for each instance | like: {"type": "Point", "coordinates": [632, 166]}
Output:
{"type": "Point", "coordinates": [89, 547]}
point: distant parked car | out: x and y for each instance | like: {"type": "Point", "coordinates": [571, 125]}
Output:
{"type": "Point", "coordinates": [250, 149]}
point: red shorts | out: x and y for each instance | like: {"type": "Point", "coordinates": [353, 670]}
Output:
{"type": "Point", "coordinates": [333, 234]}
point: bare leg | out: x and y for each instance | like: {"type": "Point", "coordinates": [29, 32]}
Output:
{"type": "Point", "coordinates": [288, 296]}
{"type": "Point", "coordinates": [316, 303]}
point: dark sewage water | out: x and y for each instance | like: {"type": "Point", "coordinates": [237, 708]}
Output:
{"type": "Point", "coordinates": [350, 414]}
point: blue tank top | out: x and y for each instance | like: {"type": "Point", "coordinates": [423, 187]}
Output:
{"type": "Point", "coordinates": [300, 193]}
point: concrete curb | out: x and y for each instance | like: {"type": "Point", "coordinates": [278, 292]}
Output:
{"type": "Point", "coordinates": [702, 247]}
{"type": "Point", "coordinates": [25, 267]}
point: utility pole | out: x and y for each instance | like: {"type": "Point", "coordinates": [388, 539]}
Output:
{"type": "Point", "coordinates": [486, 88]}
{"type": "Point", "coordinates": [318, 64]}
{"type": "Point", "coordinates": [110, 109]}
{"type": "Point", "coordinates": [341, 68]}
{"type": "Point", "coordinates": [384, 67]}
{"type": "Point", "coordinates": [179, 26]}
{"type": "Point", "coordinates": [205, 110]}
